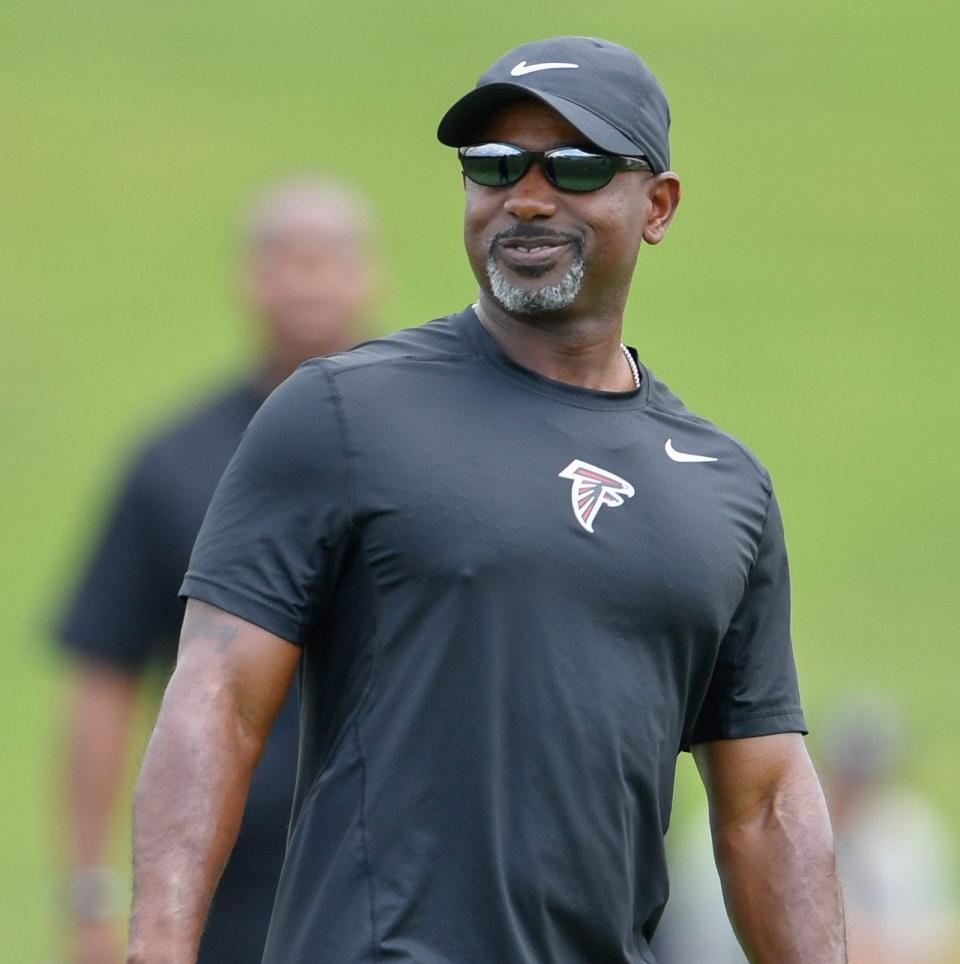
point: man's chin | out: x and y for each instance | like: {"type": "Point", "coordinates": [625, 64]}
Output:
{"type": "Point", "coordinates": [549, 291]}
{"type": "Point", "coordinates": [531, 279]}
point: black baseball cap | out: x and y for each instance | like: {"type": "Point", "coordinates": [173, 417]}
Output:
{"type": "Point", "coordinates": [604, 90]}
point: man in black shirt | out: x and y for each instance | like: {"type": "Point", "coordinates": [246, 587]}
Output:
{"type": "Point", "coordinates": [516, 576]}
{"type": "Point", "coordinates": [309, 276]}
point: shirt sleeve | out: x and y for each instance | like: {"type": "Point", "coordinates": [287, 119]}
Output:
{"type": "Point", "coordinates": [753, 690]}
{"type": "Point", "coordinates": [272, 537]}
{"type": "Point", "coordinates": [124, 608]}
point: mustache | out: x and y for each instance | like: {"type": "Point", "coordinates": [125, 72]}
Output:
{"type": "Point", "coordinates": [527, 231]}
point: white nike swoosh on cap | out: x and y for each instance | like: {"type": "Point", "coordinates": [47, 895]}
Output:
{"type": "Point", "coordinates": [523, 68]}
{"type": "Point", "coordinates": [685, 456]}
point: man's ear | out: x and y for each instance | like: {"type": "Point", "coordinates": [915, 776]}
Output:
{"type": "Point", "coordinates": [663, 192]}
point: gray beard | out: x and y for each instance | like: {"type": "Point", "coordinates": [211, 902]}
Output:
{"type": "Point", "coordinates": [536, 301]}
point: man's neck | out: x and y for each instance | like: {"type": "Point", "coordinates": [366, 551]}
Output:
{"type": "Point", "coordinates": [567, 348]}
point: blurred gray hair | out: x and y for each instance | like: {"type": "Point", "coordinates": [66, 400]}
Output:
{"type": "Point", "coordinates": [311, 203]}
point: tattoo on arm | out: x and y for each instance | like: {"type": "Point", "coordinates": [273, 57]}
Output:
{"type": "Point", "coordinates": [209, 622]}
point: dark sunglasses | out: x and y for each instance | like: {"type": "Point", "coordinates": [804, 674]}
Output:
{"type": "Point", "coordinates": [569, 168]}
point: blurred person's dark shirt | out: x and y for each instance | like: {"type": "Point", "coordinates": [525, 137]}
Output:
{"type": "Point", "coordinates": [125, 613]}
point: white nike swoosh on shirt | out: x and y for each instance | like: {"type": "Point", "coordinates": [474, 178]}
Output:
{"type": "Point", "coordinates": [685, 456]}
{"type": "Point", "coordinates": [523, 68]}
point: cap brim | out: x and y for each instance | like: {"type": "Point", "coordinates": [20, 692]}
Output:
{"type": "Point", "coordinates": [463, 122]}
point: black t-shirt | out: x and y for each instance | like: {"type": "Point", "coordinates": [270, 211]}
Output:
{"type": "Point", "coordinates": [125, 613]}
{"type": "Point", "coordinates": [517, 601]}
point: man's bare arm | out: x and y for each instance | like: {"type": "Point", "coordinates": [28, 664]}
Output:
{"type": "Point", "coordinates": [774, 849]}
{"type": "Point", "coordinates": [230, 682]}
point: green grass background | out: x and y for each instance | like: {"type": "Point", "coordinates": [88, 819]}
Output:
{"type": "Point", "coordinates": [805, 298]}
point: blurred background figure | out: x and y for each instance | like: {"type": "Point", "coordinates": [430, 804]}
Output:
{"type": "Point", "coordinates": [895, 855]}
{"type": "Point", "coordinates": [309, 279]}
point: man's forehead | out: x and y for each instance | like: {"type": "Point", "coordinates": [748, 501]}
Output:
{"type": "Point", "coordinates": [527, 120]}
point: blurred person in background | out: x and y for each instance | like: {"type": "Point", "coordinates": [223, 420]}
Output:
{"type": "Point", "coordinates": [309, 279]}
{"type": "Point", "coordinates": [895, 856]}
{"type": "Point", "coordinates": [894, 853]}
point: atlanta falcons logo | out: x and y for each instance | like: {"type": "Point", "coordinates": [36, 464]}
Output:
{"type": "Point", "coordinates": [593, 488]}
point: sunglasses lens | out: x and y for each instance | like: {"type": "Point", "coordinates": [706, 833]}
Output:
{"type": "Point", "coordinates": [494, 165]}
{"type": "Point", "coordinates": [570, 169]}
{"type": "Point", "coordinates": [575, 170]}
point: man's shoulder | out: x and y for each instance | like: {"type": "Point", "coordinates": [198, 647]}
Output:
{"type": "Point", "coordinates": [693, 429]}
{"type": "Point", "coordinates": [434, 341]}
{"type": "Point", "coordinates": [372, 377]}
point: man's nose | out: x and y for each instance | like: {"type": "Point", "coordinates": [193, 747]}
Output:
{"type": "Point", "coordinates": [533, 196]}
